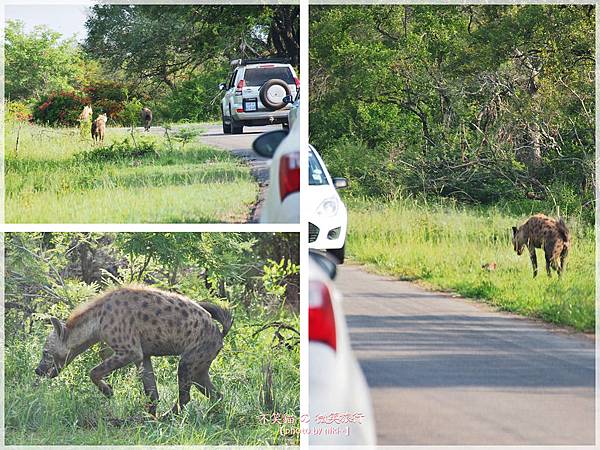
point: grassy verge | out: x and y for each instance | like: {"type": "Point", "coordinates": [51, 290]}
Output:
{"type": "Point", "coordinates": [48, 180]}
{"type": "Point", "coordinates": [446, 247]}
{"type": "Point", "coordinates": [69, 410]}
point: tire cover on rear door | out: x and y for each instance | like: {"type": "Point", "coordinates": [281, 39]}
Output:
{"type": "Point", "coordinates": [273, 104]}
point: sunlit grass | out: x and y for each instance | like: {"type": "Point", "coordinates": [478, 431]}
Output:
{"type": "Point", "coordinates": [69, 410]}
{"type": "Point", "coordinates": [48, 181]}
{"type": "Point", "coordinates": [445, 248]}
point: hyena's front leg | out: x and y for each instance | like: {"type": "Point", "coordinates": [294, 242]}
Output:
{"type": "Point", "coordinates": [533, 257]}
{"type": "Point", "coordinates": [111, 363]}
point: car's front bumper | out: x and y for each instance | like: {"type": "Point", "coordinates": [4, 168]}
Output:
{"type": "Point", "coordinates": [325, 233]}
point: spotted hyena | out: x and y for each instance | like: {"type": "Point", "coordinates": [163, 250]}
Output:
{"type": "Point", "coordinates": [139, 322]}
{"type": "Point", "coordinates": [99, 128]}
{"type": "Point", "coordinates": [146, 118]}
{"type": "Point", "coordinates": [541, 231]}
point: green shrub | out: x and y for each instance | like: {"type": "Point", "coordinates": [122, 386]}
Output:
{"type": "Point", "coordinates": [121, 150]}
{"type": "Point", "coordinates": [108, 97]}
{"type": "Point", "coordinates": [18, 111]}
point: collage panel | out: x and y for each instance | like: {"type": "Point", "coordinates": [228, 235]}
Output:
{"type": "Point", "coordinates": [464, 311]}
{"type": "Point", "coordinates": [147, 113]}
{"type": "Point", "coordinates": [150, 338]}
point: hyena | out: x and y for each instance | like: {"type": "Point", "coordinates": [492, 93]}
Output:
{"type": "Point", "coordinates": [541, 231]}
{"type": "Point", "coordinates": [86, 114]}
{"type": "Point", "coordinates": [146, 118]}
{"type": "Point", "coordinates": [138, 322]}
{"type": "Point", "coordinates": [98, 128]}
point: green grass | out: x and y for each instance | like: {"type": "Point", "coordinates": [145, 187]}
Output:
{"type": "Point", "coordinates": [445, 247]}
{"type": "Point", "coordinates": [50, 180]}
{"type": "Point", "coordinates": [69, 410]}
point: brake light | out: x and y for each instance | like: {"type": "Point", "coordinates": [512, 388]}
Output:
{"type": "Point", "coordinates": [240, 86]}
{"type": "Point", "coordinates": [297, 81]}
{"type": "Point", "coordinates": [289, 174]}
{"type": "Point", "coordinates": [267, 65]}
{"type": "Point", "coordinates": [321, 321]}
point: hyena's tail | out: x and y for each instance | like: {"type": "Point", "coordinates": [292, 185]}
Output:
{"type": "Point", "coordinates": [563, 231]}
{"type": "Point", "coordinates": [221, 315]}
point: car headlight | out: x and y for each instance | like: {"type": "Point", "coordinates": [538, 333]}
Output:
{"type": "Point", "coordinates": [328, 207]}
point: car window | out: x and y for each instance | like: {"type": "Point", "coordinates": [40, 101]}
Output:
{"type": "Point", "coordinates": [232, 79]}
{"type": "Point", "coordinates": [316, 173]}
{"type": "Point", "coordinates": [259, 76]}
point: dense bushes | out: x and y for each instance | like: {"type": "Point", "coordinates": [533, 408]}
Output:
{"type": "Point", "coordinates": [482, 104]}
{"type": "Point", "coordinates": [197, 99]}
{"type": "Point", "coordinates": [62, 108]}
{"type": "Point", "coordinates": [108, 97]}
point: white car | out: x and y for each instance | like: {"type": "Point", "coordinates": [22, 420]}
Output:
{"type": "Point", "coordinates": [254, 94]}
{"type": "Point", "coordinates": [282, 200]}
{"type": "Point", "coordinates": [327, 214]}
{"type": "Point", "coordinates": [336, 382]}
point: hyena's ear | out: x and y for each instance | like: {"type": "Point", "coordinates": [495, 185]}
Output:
{"type": "Point", "coordinates": [514, 230]}
{"type": "Point", "coordinates": [59, 327]}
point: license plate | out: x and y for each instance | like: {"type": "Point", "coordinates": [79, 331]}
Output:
{"type": "Point", "coordinates": [250, 106]}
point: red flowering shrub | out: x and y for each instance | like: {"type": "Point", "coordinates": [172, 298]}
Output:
{"type": "Point", "coordinates": [62, 108]}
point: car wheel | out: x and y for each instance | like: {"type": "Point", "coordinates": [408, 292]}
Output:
{"type": "Point", "coordinates": [236, 127]}
{"type": "Point", "coordinates": [338, 253]}
{"type": "Point", "coordinates": [272, 93]}
{"type": "Point", "coordinates": [226, 126]}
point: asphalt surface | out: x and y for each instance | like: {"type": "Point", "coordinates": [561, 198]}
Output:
{"type": "Point", "coordinates": [240, 145]}
{"type": "Point", "coordinates": [444, 370]}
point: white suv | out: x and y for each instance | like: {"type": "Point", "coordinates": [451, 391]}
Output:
{"type": "Point", "coordinates": [254, 94]}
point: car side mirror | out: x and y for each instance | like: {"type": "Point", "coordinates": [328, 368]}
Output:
{"type": "Point", "coordinates": [287, 99]}
{"type": "Point", "coordinates": [266, 144]}
{"type": "Point", "coordinates": [325, 263]}
{"type": "Point", "coordinates": [222, 86]}
{"type": "Point", "coordinates": [340, 183]}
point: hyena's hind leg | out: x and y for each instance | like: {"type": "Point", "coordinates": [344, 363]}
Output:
{"type": "Point", "coordinates": [563, 259]}
{"type": "Point", "coordinates": [184, 379]}
{"type": "Point", "coordinates": [121, 358]}
{"type": "Point", "coordinates": [149, 381]}
{"type": "Point", "coordinates": [533, 258]}
{"type": "Point", "coordinates": [202, 381]}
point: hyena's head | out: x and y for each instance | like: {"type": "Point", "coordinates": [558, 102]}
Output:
{"type": "Point", "coordinates": [518, 240]}
{"type": "Point", "coordinates": [55, 352]}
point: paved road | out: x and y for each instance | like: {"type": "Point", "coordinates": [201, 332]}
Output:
{"type": "Point", "coordinates": [241, 145]}
{"type": "Point", "coordinates": [238, 144]}
{"type": "Point", "coordinates": [446, 370]}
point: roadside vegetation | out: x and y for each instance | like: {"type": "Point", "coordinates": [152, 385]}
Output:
{"type": "Point", "coordinates": [129, 179]}
{"type": "Point", "coordinates": [452, 124]}
{"type": "Point", "coordinates": [468, 251]}
{"type": "Point", "coordinates": [257, 371]}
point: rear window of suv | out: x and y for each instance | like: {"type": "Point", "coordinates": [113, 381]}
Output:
{"type": "Point", "coordinates": [259, 76]}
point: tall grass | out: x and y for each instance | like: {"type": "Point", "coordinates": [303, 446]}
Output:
{"type": "Point", "coordinates": [55, 176]}
{"type": "Point", "coordinates": [445, 247]}
{"type": "Point", "coordinates": [69, 409]}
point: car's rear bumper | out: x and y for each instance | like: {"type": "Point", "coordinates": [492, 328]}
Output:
{"type": "Point", "coordinates": [261, 118]}
{"type": "Point", "coordinates": [287, 211]}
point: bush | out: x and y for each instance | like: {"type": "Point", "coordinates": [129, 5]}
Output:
{"type": "Point", "coordinates": [108, 97]}
{"type": "Point", "coordinates": [62, 108]}
{"type": "Point", "coordinates": [195, 100]}
{"type": "Point", "coordinates": [118, 151]}
{"type": "Point", "coordinates": [18, 111]}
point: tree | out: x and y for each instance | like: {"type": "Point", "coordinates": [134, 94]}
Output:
{"type": "Point", "coordinates": [39, 63]}
{"type": "Point", "coordinates": [480, 103]}
{"type": "Point", "coordinates": [168, 44]}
